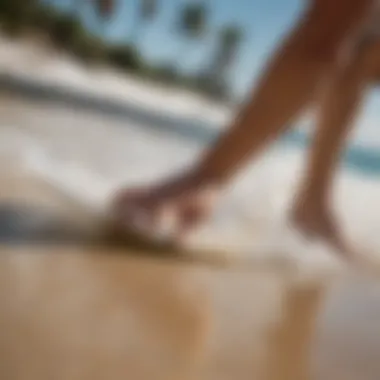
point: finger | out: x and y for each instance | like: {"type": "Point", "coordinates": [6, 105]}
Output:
{"type": "Point", "coordinates": [166, 222]}
{"type": "Point", "coordinates": [134, 218]}
{"type": "Point", "coordinates": [191, 216]}
{"type": "Point", "coordinates": [125, 197]}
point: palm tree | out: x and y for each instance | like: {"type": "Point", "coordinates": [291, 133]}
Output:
{"type": "Point", "coordinates": [104, 8]}
{"type": "Point", "coordinates": [147, 11]}
{"type": "Point", "coordinates": [16, 14]}
{"type": "Point", "coordinates": [229, 40]}
{"type": "Point", "coordinates": [192, 22]}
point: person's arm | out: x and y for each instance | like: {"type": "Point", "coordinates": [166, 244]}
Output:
{"type": "Point", "coordinates": [287, 86]}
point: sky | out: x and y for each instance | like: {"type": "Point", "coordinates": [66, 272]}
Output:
{"type": "Point", "coordinates": [264, 23]}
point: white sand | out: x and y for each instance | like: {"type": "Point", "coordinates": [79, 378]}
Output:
{"type": "Point", "coordinates": [31, 61]}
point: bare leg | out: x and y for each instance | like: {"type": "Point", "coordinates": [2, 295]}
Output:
{"type": "Point", "coordinates": [289, 353]}
{"type": "Point", "coordinates": [337, 110]}
{"type": "Point", "coordinates": [303, 60]}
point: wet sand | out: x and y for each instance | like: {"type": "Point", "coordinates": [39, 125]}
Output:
{"type": "Point", "coordinates": [75, 312]}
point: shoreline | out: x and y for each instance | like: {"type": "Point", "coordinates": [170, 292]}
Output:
{"type": "Point", "coordinates": [16, 85]}
{"type": "Point", "coordinates": [359, 159]}
{"type": "Point", "coordinates": [29, 62]}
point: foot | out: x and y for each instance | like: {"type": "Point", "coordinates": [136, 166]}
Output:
{"type": "Point", "coordinates": [168, 210]}
{"type": "Point", "coordinates": [317, 222]}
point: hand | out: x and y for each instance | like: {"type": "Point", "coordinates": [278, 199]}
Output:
{"type": "Point", "coordinates": [169, 210]}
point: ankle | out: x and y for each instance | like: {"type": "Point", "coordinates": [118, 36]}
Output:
{"type": "Point", "coordinates": [313, 195]}
{"type": "Point", "coordinates": [310, 203]}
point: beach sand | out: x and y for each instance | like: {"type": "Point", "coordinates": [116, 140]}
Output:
{"type": "Point", "coordinates": [71, 311]}
{"type": "Point", "coordinates": [82, 311]}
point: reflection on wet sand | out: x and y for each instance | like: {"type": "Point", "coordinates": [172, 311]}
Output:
{"type": "Point", "coordinates": [72, 317]}
{"type": "Point", "coordinates": [289, 356]}
{"type": "Point", "coordinates": [70, 312]}
{"type": "Point", "coordinates": [78, 316]}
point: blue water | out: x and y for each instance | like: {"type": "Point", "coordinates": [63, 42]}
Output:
{"type": "Point", "coordinates": [356, 158]}
{"type": "Point", "coordinates": [359, 159]}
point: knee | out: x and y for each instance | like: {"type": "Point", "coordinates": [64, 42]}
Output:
{"type": "Point", "coordinates": [328, 25]}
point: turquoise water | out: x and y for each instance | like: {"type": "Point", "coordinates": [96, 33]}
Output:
{"type": "Point", "coordinates": [360, 159]}
{"type": "Point", "coordinates": [356, 158]}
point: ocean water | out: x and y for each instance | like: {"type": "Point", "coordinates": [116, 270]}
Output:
{"type": "Point", "coordinates": [358, 159]}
